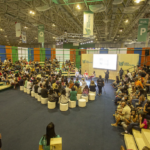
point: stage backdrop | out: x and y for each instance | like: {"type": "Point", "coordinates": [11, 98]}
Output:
{"type": "Point", "coordinates": [125, 61]}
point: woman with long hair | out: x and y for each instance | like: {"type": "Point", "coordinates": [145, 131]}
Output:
{"type": "Point", "coordinates": [92, 86]}
{"type": "Point", "coordinates": [44, 143]}
{"type": "Point", "coordinates": [85, 91]}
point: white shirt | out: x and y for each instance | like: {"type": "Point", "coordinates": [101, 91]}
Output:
{"type": "Point", "coordinates": [67, 91]}
{"type": "Point", "coordinates": [126, 111]}
{"type": "Point", "coordinates": [39, 90]}
{"type": "Point", "coordinates": [26, 72]}
{"type": "Point", "coordinates": [83, 84]}
{"type": "Point", "coordinates": [29, 85]}
{"type": "Point", "coordinates": [129, 75]}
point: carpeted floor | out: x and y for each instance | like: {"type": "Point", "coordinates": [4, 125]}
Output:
{"type": "Point", "coordinates": [23, 121]}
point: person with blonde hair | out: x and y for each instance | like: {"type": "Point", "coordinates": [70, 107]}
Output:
{"type": "Point", "coordinates": [83, 83]}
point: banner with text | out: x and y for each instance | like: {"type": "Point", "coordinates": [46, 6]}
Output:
{"type": "Point", "coordinates": [88, 20]}
{"type": "Point", "coordinates": [41, 33]}
{"type": "Point", "coordinates": [24, 38]}
{"type": "Point", "coordinates": [18, 29]}
{"type": "Point", "coordinates": [142, 30]}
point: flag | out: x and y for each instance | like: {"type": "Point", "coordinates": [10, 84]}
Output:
{"type": "Point", "coordinates": [88, 20]}
{"type": "Point", "coordinates": [41, 33]}
{"type": "Point", "coordinates": [18, 29]}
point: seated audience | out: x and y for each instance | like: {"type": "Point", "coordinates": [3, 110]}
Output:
{"type": "Point", "coordinates": [73, 95]}
{"type": "Point", "coordinates": [44, 92]}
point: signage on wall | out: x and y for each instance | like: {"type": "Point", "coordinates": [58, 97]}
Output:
{"type": "Point", "coordinates": [142, 30]}
{"type": "Point", "coordinates": [75, 44]}
{"type": "Point", "coordinates": [125, 64]}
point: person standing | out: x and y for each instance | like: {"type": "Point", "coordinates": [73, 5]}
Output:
{"type": "Point", "coordinates": [106, 76]}
{"type": "Point", "coordinates": [100, 83]}
{"type": "Point", "coordinates": [121, 73]}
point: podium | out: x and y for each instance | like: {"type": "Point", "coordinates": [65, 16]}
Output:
{"type": "Point", "coordinates": [56, 143]}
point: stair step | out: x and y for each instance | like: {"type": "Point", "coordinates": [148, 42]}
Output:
{"type": "Point", "coordinates": [1, 83]}
{"type": "Point", "coordinates": [139, 139]}
{"type": "Point", "coordinates": [146, 136]}
{"type": "Point", "coordinates": [129, 141]}
{"type": "Point", "coordinates": [4, 87]}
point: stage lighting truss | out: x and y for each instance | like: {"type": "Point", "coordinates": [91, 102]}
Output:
{"type": "Point", "coordinates": [76, 38]}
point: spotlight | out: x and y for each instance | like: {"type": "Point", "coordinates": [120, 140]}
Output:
{"type": "Point", "coordinates": [32, 12]}
{"type": "Point", "coordinates": [53, 25]}
{"type": "Point", "coordinates": [126, 21]}
{"type": "Point", "coordinates": [137, 1]}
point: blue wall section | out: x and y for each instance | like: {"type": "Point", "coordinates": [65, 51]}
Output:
{"type": "Point", "coordinates": [2, 53]}
{"type": "Point", "coordinates": [47, 53]}
{"type": "Point", "coordinates": [30, 54]}
{"type": "Point", "coordinates": [103, 51]}
{"type": "Point", "coordinates": [138, 51]}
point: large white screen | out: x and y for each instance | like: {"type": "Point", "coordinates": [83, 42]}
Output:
{"type": "Point", "coordinates": [105, 61]}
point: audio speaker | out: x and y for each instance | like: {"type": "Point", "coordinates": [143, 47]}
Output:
{"type": "Point", "coordinates": [146, 52]}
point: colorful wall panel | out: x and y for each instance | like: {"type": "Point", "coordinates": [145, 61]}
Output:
{"type": "Point", "coordinates": [30, 54]}
{"type": "Point", "coordinates": [53, 53]}
{"type": "Point", "coordinates": [42, 54]}
{"type": "Point", "coordinates": [14, 54]}
{"type": "Point", "coordinates": [47, 53]}
{"type": "Point", "coordinates": [37, 54]}
{"type": "Point", "coordinates": [59, 55]}
{"type": "Point", "coordinates": [103, 51]}
{"type": "Point", "coordinates": [8, 52]}
{"type": "Point", "coordinates": [145, 58]}
{"type": "Point", "coordinates": [78, 58]}
{"type": "Point", "coordinates": [66, 54]}
{"type": "Point", "coordinates": [72, 55]}
{"type": "Point", "coordinates": [2, 53]}
{"type": "Point", "coordinates": [130, 50]}
{"type": "Point", "coordinates": [122, 50]}
{"type": "Point", "coordinates": [113, 51]}
{"type": "Point", "coordinates": [138, 51]}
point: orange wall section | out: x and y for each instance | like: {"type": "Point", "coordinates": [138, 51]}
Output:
{"type": "Point", "coordinates": [72, 55]}
{"type": "Point", "coordinates": [37, 54]}
{"type": "Point", "coordinates": [145, 58]}
{"type": "Point", "coordinates": [8, 52]}
{"type": "Point", "coordinates": [130, 50]}
{"type": "Point", "coordinates": [53, 53]}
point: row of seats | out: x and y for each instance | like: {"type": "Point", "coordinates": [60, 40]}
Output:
{"type": "Point", "coordinates": [82, 100]}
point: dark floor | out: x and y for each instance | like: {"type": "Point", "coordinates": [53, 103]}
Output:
{"type": "Point", "coordinates": [23, 121]}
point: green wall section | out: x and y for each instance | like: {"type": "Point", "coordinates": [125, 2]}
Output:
{"type": "Point", "coordinates": [78, 58]}
{"type": "Point", "coordinates": [14, 54]}
{"type": "Point", "coordinates": [42, 54]}
{"type": "Point", "coordinates": [69, 46]}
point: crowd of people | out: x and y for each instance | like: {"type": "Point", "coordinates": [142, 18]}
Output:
{"type": "Point", "coordinates": [132, 100]}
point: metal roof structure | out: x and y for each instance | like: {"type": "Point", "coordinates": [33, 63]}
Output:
{"type": "Point", "coordinates": [116, 20]}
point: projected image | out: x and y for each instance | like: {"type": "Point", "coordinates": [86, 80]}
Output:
{"type": "Point", "coordinates": [105, 61]}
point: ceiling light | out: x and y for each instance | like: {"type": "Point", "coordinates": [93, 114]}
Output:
{"type": "Point", "coordinates": [25, 27]}
{"type": "Point", "coordinates": [35, 37]}
{"type": "Point", "coordinates": [32, 12]}
{"type": "Point", "coordinates": [5, 35]}
{"type": "Point", "coordinates": [137, 1]}
{"type": "Point", "coordinates": [53, 25]}
{"type": "Point", "coordinates": [126, 21]}
{"type": "Point", "coordinates": [1, 29]}
{"type": "Point", "coordinates": [115, 39]}
{"type": "Point", "coordinates": [78, 6]}
{"type": "Point", "coordinates": [120, 30]}
{"type": "Point", "coordinates": [91, 41]}
{"type": "Point", "coordinates": [53, 37]}
{"type": "Point", "coordinates": [117, 35]}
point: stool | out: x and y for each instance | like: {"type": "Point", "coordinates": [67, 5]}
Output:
{"type": "Point", "coordinates": [32, 94]}
{"type": "Point", "coordinates": [21, 88]}
{"type": "Point", "coordinates": [93, 92]}
{"type": "Point", "coordinates": [79, 96]}
{"type": "Point", "coordinates": [28, 91]}
{"type": "Point", "coordinates": [82, 103]}
{"type": "Point", "coordinates": [36, 95]}
{"type": "Point", "coordinates": [91, 96]}
{"type": "Point", "coordinates": [85, 97]}
{"type": "Point", "coordinates": [44, 100]}
{"type": "Point", "coordinates": [51, 105]}
{"type": "Point", "coordinates": [63, 107]}
{"type": "Point", "coordinates": [72, 104]}
{"type": "Point", "coordinates": [39, 98]}
{"type": "Point", "coordinates": [25, 90]}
